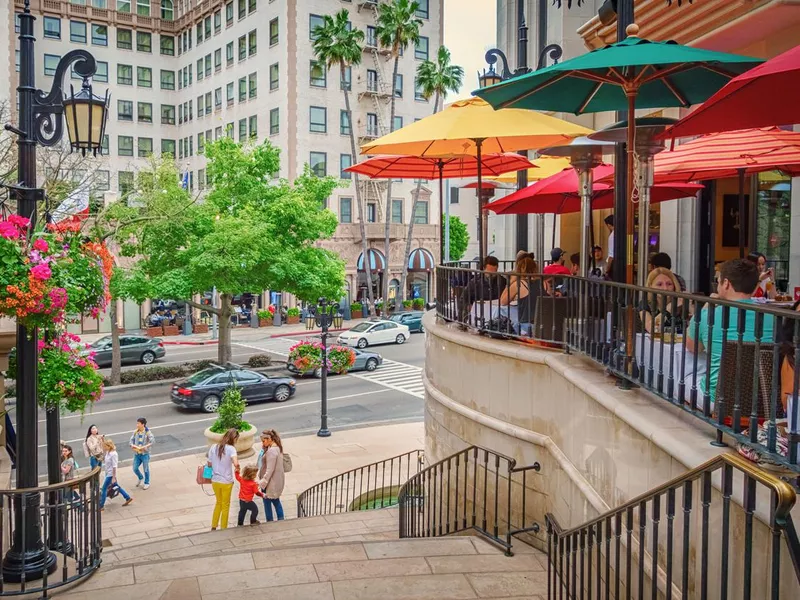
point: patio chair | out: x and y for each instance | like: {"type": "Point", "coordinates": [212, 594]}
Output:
{"type": "Point", "coordinates": [738, 361]}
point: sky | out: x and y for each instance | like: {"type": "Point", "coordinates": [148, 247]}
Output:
{"type": "Point", "coordinates": [469, 31]}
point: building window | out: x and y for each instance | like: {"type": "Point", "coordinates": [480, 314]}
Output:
{"type": "Point", "coordinates": [372, 37]}
{"type": "Point", "coordinates": [344, 122]}
{"type": "Point", "coordinates": [52, 28]}
{"type": "Point", "coordinates": [99, 35]}
{"type": "Point", "coordinates": [229, 93]}
{"type": "Point", "coordinates": [145, 147]}
{"type": "Point", "coordinates": [102, 72]}
{"type": "Point", "coordinates": [229, 14]}
{"type": "Point", "coordinates": [125, 145]}
{"type": "Point", "coordinates": [229, 54]}
{"type": "Point", "coordinates": [273, 32]}
{"type": "Point", "coordinates": [318, 75]}
{"type": "Point", "coordinates": [77, 32]}
{"type": "Point", "coordinates": [397, 123]}
{"type": "Point", "coordinates": [143, 8]}
{"type": "Point", "coordinates": [252, 126]}
{"type": "Point", "coordinates": [218, 98]}
{"type": "Point", "coordinates": [454, 195]}
{"type": "Point", "coordinates": [167, 44]}
{"type": "Point", "coordinates": [207, 27]}
{"type": "Point", "coordinates": [167, 80]}
{"type": "Point", "coordinates": [207, 62]}
{"type": "Point", "coordinates": [421, 212]}
{"type": "Point", "coordinates": [242, 129]}
{"type": "Point", "coordinates": [252, 43]}
{"type": "Point", "coordinates": [105, 145]}
{"type": "Point", "coordinates": [102, 181]}
{"type": "Point", "coordinates": [241, 9]}
{"type": "Point", "coordinates": [199, 69]}
{"type": "Point", "coordinates": [201, 143]}
{"type": "Point", "coordinates": [243, 47]}
{"type": "Point", "coordinates": [419, 94]}
{"type": "Point", "coordinates": [125, 179]}
{"type": "Point", "coordinates": [199, 32]}
{"type": "Point", "coordinates": [318, 121]}
{"type": "Point", "coordinates": [168, 147]}
{"type": "Point", "coordinates": [144, 77]}
{"type": "Point", "coordinates": [217, 132]}
{"type": "Point", "coordinates": [242, 89]}
{"type": "Point", "coordinates": [144, 112]}
{"type": "Point", "coordinates": [167, 114]}
{"type": "Point", "coordinates": [252, 85]}
{"type": "Point", "coordinates": [345, 209]}
{"type": "Point", "coordinates": [372, 80]}
{"type": "Point", "coordinates": [144, 41]}
{"type": "Point", "coordinates": [217, 22]}
{"type": "Point", "coordinates": [421, 48]}
{"type": "Point", "coordinates": [372, 212]}
{"type": "Point", "coordinates": [201, 105]}
{"type": "Point", "coordinates": [273, 77]}
{"type": "Point", "coordinates": [167, 10]}
{"type": "Point", "coordinates": [124, 110]}
{"type": "Point", "coordinates": [217, 60]}
{"type": "Point", "coordinates": [422, 9]}
{"type": "Point", "coordinates": [397, 210]}
{"type": "Point", "coordinates": [318, 161]}
{"type": "Point", "coordinates": [372, 124]}
{"type": "Point", "coordinates": [274, 121]}
{"type": "Point", "coordinates": [201, 179]}
{"type": "Point", "coordinates": [398, 86]}
{"type": "Point", "coordinates": [124, 39]}
{"type": "Point", "coordinates": [345, 161]}
{"type": "Point", "coordinates": [314, 21]}
{"type": "Point", "coordinates": [346, 82]}
{"type": "Point", "coordinates": [251, 6]}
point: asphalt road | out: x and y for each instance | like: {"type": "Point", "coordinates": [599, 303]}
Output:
{"type": "Point", "coordinates": [389, 395]}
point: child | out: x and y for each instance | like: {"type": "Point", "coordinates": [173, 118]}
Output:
{"type": "Point", "coordinates": [248, 487]}
{"type": "Point", "coordinates": [110, 462]}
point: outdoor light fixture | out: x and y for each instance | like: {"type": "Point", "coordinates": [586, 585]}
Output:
{"type": "Point", "coordinates": [325, 314]}
{"type": "Point", "coordinates": [86, 115]}
{"type": "Point", "coordinates": [489, 77]}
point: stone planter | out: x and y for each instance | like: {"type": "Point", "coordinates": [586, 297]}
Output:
{"type": "Point", "coordinates": [293, 319]}
{"type": "Point", "coordinates": [171, 330]}
{"type": "Point", "coordinates": [155, 331]}
{"type": "Point", "coordinates": [200, 328]}
{"type": "Point", "coordinates": [355, 314]}
{"type": "Point", "coordinates": [265, 322]}
{"type": "Point", "coordinates": [244, 445]}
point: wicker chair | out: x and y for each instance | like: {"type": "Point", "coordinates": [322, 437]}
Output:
{"type": "Point", "coordinates": [739, 360]}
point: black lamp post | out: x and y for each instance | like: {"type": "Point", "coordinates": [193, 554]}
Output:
{"type": "Point", "coordinates": [40, 122]}
{"type": "Point", "coordinates": [325, 314]}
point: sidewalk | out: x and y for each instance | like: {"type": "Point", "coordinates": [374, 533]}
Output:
{"type": "Point", "coordinates": [175, 505]}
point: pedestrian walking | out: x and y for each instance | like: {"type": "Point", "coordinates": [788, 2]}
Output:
{"type": "Point", "coordinates": [141, 442]}
{"type": "Point", "coordinates": [68, 467]}
{"type": "Point", "coordinates": [223, 460]}
{"type": "Point", "coordinates": [248, 488]}
{"type": "Point", "coordinates": [93, 447]}
{"type": "Point", "coordinates": [110, 484]}
{"type": "Point", "coordinates": [271, 473]}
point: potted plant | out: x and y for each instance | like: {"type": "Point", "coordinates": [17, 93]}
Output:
{"type": "Point", "coordinates": [418, 303]}
{"type": "Point", "coordinates": [407, 304]}
{"type": "Point", "coordinates": [378, 308]}
{"type": "Point", "coordinates": [264, 318]}
{"type": "Point", "coordinates": [230, 412]}
{"type": "Point", "coordinates": [293, 316]}
{"type": "Point", "coordinates": [355, 310]}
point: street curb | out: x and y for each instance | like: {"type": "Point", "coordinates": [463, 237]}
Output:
{"type": "Point", "coordinates": [300, 333]}
{"type": "Point", "coordinates": [190, 343]}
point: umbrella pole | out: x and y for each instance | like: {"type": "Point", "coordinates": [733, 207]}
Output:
{"type": "Point", "coordinates": [591, 234]}
{"type": "Point", "coordinates": [482, 237]}
{"type": "Point", "coordinates": [629, 317]}
{"type": "Point", "coordinates": [645, 181]}
{"type": "Point", "coordinates": [742, 214]}
{"type": "Point", "coordinates": [441, 212]}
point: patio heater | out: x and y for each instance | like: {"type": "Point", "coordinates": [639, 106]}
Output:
{"type": "Point", "coordinates": [645, 148]}
{"type": "Point", "coordinates": [584, 155]}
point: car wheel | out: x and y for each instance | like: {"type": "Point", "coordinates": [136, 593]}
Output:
{"type": "Point", "coordinates": [371, 365]}
{"type": "Point", "coordinates": [400, 338]}
{"type": "Point", "coordinates": [362, 343]}
{"type": "Point", "coordinates": [148, 358]}
{"type": "Point", "coordinates": [210, 403]}
{"type": "Point", "coordinates": [282, 393]}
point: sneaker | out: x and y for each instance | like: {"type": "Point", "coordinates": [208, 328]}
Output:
{"type": "Point", "coordinates": [145, 486]}
{"type": "Point", "coordinates": [128, 501]}
{"type": "Point", "coordinates": [139, 483]}
{"type": "Point", "coordinates": [256, 522]}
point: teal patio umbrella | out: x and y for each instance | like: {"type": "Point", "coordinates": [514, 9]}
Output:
{"type": "Point", "coordinates": [634, 73]}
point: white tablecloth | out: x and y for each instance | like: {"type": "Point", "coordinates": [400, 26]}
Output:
{"type": "Point", "coordinates": [491, 310]}
{"type": "Point", "coordinates": [670, 357]}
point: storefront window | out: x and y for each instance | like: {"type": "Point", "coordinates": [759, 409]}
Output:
{"type": "Point", "coordinates": [773, 223]}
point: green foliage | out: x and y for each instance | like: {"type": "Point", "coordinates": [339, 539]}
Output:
{"type": "Point", "coordinates": [398, 25]}
{"type": "Point", "coordinates": [441, 77]}
{"type": "Point", "coordinates": [162, 372]}
{"type": "Point", "coordinates": [407, 303]}
{"type": "Point", "coordinates": [336, 42]}
{"type": "Point", "coordinates": [418, 303]}
{"type": "Point", "coordinates": [231, 409]}
{"type": "Point", "coordinates": [356, 306]}
{"type": "Point", "coordinates": [259, 360]}
{"type": "Point", "coordinates": [264, 314]}
{"type": "Point", "coordinates": [459, 237]}
{"type": "Point", "coordinates": [293, 312]}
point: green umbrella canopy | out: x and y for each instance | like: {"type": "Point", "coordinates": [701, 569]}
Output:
{"type": "Point", "coordinates": [658, 74]}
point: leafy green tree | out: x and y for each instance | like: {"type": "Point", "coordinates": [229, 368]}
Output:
{"type": "Point", "coordinates": [338, 45]}
{"type": "Point", "coordinates": [251, 232]}
{"type": "Point", "coordinates": [436, 79]}
{"type": "Point", "coordinates": [397, 27]}
{"type": "Point", "coordinates": [459, 238]}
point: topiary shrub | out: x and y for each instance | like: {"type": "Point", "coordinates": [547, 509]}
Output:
{"type": "Point", "coordinates": [259, 360]}
{"type": "Point", "coordinates": [231, 409]}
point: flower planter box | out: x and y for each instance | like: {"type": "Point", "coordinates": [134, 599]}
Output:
{"type": "Point", "coordinates": [355, 314]}
{"type": "Point", "coordinates": [265, 322]}
{"type": "Point", "coordinates": [155, 331]}
{"type": "Point", "coordinates": [293, 319]}
{"type": "Point", "coordinates": [170, 330]}
{"type": "Point", "coordinates": [200, 328]}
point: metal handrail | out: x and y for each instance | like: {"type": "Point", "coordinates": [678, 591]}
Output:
{"type": "Point", "coordinates": [437, 500]}
{"type": "Point", "coordinates": [575, 554]}
{"type": "Point", "coordinates": [362, 488]}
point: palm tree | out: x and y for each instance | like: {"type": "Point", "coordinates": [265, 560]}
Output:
{"type": "Point", "coordinates": [397, 27]}
{"type": "Point", "coordinates": [336, 44]}
{"type": "Point", "coordinates": [435, 79]}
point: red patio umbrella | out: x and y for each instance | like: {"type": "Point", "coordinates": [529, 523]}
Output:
{"type": "Point", "coordinates": [485, 185]}
{"type": "Point", "coordinates": [768, 94]}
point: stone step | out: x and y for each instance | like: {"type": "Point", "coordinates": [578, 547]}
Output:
{"type": "Point", "coordinates": [439, 568]}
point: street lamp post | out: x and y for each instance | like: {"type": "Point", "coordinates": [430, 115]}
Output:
{"type": "Point", "coordinates": [40, 122]}
{"type": "Point", "coordinates": [325, 315]}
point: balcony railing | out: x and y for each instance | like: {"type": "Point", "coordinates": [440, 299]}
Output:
{"type": "Point", "coordinates": [733, 365]}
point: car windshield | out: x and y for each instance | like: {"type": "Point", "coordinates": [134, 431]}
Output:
{"type": "Point", "coordinates": [201, 376]}
{"type": "Point", "coordinates": [361, 327]}
{"type": "Point", "coordinates": [396, 318]}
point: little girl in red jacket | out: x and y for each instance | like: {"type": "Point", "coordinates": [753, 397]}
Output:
{"type": "Point", "coordinates": [248, 487]}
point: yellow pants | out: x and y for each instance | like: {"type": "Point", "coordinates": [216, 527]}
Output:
{"type": "Point", "coordinates": [222, 491]}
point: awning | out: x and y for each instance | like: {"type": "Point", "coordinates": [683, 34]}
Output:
{"type": "Point", "coordinates": [377, 261]}
{"type": "Point", "coordinates": [420, 260]}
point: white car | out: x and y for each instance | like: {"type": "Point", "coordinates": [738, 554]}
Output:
{"type": "Point", "coordinates": [370, 333]}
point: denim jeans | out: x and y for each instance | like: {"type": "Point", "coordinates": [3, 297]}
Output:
{"type": "Point", "coordinates": [142, 460]}
{"type": "Point", "coordinates": [246, 506]}
{"type": "Point", "coordinates": [106, 487]}
{"type": "Point", "coordinates": [94, 462]}
{"type": "Point", "coordinates": [268, 504]}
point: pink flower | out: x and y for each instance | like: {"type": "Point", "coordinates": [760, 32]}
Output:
{"type": "Point", "coordinates": [41, 245]}
{"type": "Point", "coordinates": [41, 272]}
{"type": "Point", "coordinates": [8, 231]}
{"type": "Point", "coordinates": [19, 221]}
{"type": "Point", "coordinates": [81, 363]}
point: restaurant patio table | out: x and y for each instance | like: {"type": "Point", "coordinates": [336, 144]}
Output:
{"type": "Point", "coordinates": [491, 309]}
{"type": "Point", "coordinates": [663, 355]}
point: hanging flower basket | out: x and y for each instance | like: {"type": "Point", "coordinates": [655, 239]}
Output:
{"type": "Point", "coordinates": [340, 359]}
{"type": "Point", "coordinates": [307, 357]}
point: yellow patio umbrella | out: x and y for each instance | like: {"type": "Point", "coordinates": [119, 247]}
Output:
{"type": "Point", "coordinates": [473, 127]}
{"type": "Point", "coordinates": [547, 166]}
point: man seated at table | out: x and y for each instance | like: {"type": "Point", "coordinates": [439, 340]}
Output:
{"type": "Point", "coordinates": [556, 267]}
{"type": "Point", "coordinates": [737, 280]}
{"type": "Point", "coordinates": [484, 287]}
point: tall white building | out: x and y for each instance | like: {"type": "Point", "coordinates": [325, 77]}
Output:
{"type": "Point", "coordinates": [182, 73]}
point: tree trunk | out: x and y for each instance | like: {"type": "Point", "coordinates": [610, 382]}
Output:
{"type": "Point", "coordinates": [404, 277]}
{"type": "Point", "coordinates": [362, 227]}
{"type": "Point", "coordinates": [224, 320]}
{"type": "Point", "coordinates": [116, 355]}
{"type": "Point", "coordinates": [388, 215]}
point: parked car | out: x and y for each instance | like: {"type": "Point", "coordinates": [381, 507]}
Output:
{"type": "Point", "coordinates": [365, 361]}
{"type": "Point", "coordinates": [133, 349]}
{"type": "Point", "coordinates": [412, 320]}
{"type": "Point", "coordinates": [378, 331]}
{"type": "Point", "coordinates": [204, 389]}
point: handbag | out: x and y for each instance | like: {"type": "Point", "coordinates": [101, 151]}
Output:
{"type": "Point", "coordinates": [204, 474]}
{"type": "Point", "coordinates": [287, 463]}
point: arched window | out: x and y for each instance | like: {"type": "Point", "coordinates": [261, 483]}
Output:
{"type": "Point", "coordinates": [167, 12]}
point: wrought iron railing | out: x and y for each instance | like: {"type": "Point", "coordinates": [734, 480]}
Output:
{"type": "Point", "coordinates": [375, 485]}
{"type": "Point", "coordinates": [731, 364]}
{"type": "Point", "coordinates": [474, 489]}
{"type": "Point", "coordinates": [68, 517]}
{"type": "Point", "coordinates": [696, 536]}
